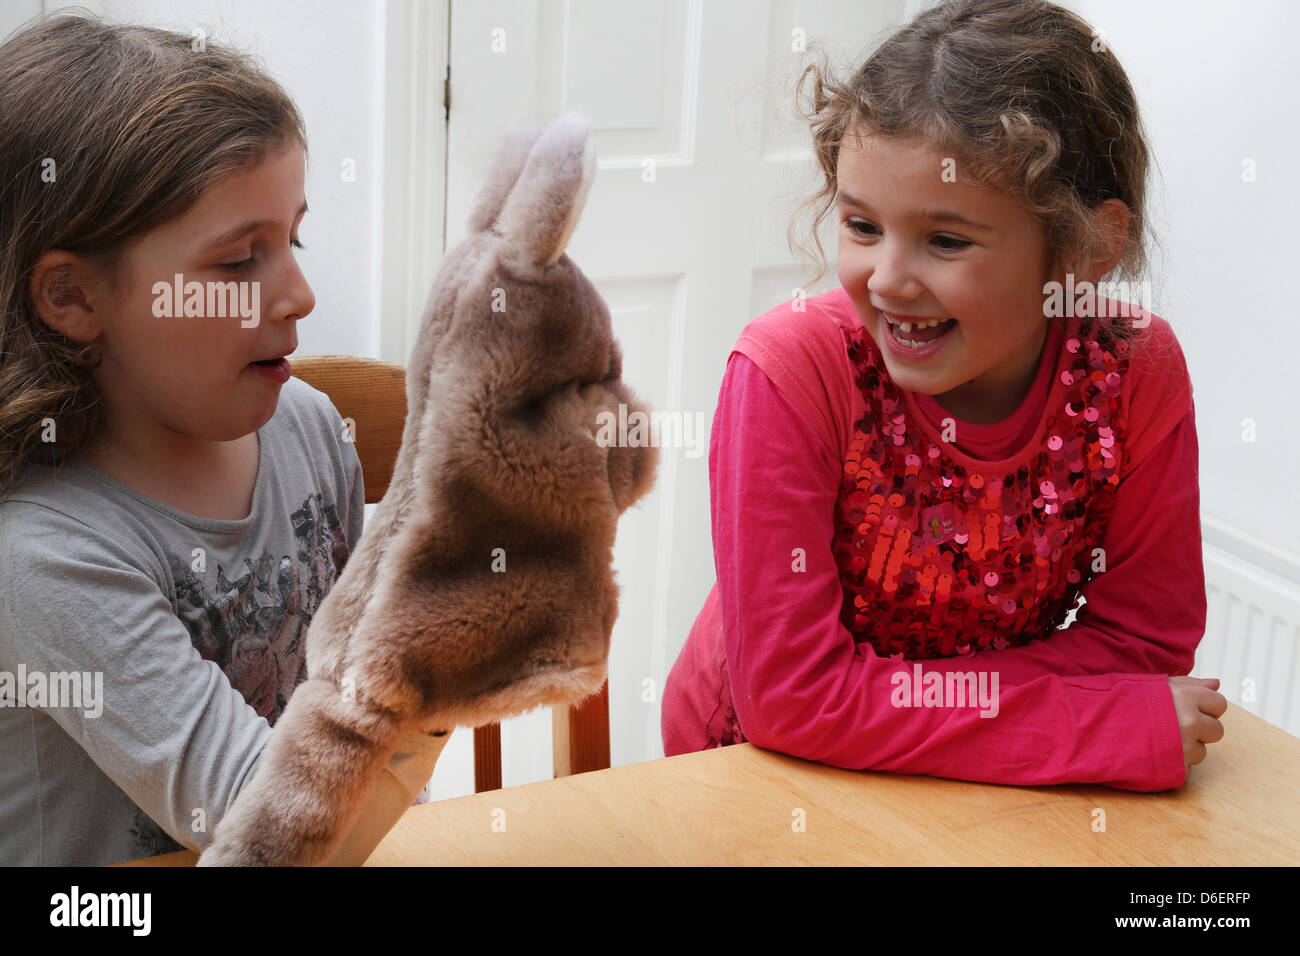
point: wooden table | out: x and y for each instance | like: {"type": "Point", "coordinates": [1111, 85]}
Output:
{"type": "Point", "coordinates": [738, 805]}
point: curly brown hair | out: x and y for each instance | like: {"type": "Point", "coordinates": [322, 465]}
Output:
{"type": "Point", "coordinates": [136, 123]}
{"type": "Point", "coordinates": [1027, 98]}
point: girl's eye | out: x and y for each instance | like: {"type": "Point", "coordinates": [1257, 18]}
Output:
{"type": "Point", "coordinates": [854, 225]}
{"type": "Point", "coordinates": [956, 243]}
{"type": "Point", "coordinates": [244, 264]}
{"type": "Point", "coordinates": [953, 244]}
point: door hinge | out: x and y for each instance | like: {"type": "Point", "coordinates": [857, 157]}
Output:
{"type": "Point", "coordinates": [446, 95]}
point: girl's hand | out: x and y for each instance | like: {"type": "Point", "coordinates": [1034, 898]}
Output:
{"type": "Point", "coordinates": [1197, 703]}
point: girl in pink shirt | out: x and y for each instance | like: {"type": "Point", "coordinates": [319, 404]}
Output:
{"type": "Point", "coordinates": [905, 514]}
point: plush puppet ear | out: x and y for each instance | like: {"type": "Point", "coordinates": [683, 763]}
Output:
{"type": "Point", "coordinates": [546, 203]}
{"type": "Point", "coordinates": [507, 164]}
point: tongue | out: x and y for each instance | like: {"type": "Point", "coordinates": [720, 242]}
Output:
{"type": "Point", "coordinates": [927, 335]}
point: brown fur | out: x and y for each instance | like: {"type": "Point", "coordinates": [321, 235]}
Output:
{"type": "Point", "coordinates": [498, 451]}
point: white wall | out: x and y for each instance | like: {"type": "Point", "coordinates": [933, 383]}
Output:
{"type": "Point", "coordinates": [1216, 84]}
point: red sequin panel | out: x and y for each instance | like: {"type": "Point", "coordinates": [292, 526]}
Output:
{"type": "Point", "coordinates": [937, 560]}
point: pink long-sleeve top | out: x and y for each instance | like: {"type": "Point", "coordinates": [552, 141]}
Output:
{"type": "Point", "coordinates": [847, 539]}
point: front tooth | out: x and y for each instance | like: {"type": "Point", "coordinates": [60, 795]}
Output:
{"type": "Point", "coordinates": [905, 326]}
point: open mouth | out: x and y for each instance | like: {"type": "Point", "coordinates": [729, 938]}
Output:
{"type": "Point", "coordinates": [911, 334]}
{"type": "Point", "coordinates": [277, 370]}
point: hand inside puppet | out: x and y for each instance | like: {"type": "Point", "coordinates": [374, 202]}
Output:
{"type": "Point", "coordinates": [482, 586]}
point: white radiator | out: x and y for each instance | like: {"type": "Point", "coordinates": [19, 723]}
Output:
{"type": "Point", "coordinates": [1252, 626]}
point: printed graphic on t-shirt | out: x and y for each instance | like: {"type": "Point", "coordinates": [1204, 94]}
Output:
{"type": "Point", "coordinates": [150, 838]}
{"type": "Point", "coordinates": [252, 620]}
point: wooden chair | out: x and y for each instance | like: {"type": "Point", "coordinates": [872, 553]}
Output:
{"type": "Point", "coordinates": [373, 395]}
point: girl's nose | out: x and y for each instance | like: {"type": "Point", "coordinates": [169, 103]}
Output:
{"type": "Point", "coordinates": [296, 299]}
{"type": "Point", "coordinates": [891, 277]}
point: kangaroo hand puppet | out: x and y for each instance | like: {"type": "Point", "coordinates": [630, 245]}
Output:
{"type": "Point", "coordinates": [482, 586]}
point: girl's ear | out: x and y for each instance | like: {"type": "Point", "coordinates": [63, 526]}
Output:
{"type": "Point", "coordinates": [544, 207]}
{"type": "Point", "coordinates": [502, 176]}
{"type": "Point", "coordinates": [1114, 216]}
{"type": "Point", "coordinates": [58, 292]}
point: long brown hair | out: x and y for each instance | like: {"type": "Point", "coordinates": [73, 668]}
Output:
{"type": "Point", "coordinates": [109, 131]}
{"type": "Point", "coordinates": [1024, 95]}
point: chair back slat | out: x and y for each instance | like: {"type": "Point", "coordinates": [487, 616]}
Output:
{"type": "Point", "coordinates": [372, 395]}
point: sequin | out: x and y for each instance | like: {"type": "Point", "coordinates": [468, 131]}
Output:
{"type": "Point", "coordinates": [936, 560]}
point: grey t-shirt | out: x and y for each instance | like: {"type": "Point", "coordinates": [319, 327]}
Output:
{"type": "Point", "coordinates": [193, 628]}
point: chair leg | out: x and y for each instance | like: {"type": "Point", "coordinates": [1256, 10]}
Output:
{"type": "Point", "coordinates": [487, 758]}
{"type": "Point", "coordinates": [580, 741]}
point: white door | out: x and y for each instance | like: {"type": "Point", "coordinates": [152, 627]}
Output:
{"type": "Point", "coordinates": [683, 234]}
